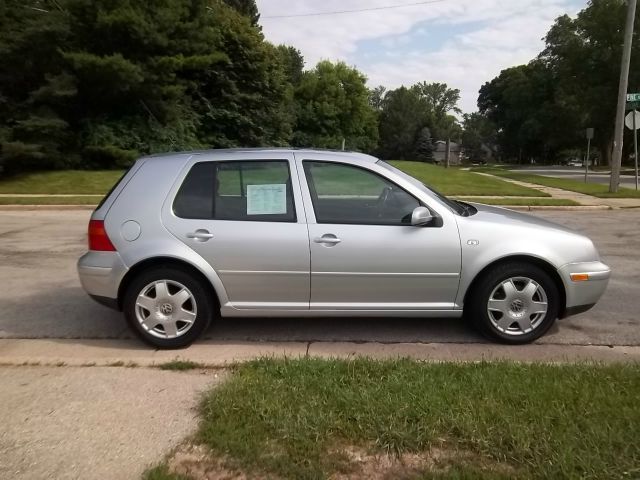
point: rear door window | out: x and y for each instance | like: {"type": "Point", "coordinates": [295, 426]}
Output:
{"type": "Point", "coordinates": [237, 190]}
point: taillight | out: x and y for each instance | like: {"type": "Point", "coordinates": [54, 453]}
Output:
{"type": "Point", "coordinates": [98, 238]}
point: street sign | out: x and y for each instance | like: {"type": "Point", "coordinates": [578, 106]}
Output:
{"type": "Point", "coordinates": [633, 97]}
{"type": "Point", "coordinates": [633, 105]}
{"type": "Point", "coordinates": [628, 120]}
{"type": "Point", "coordinates": [590, 132]}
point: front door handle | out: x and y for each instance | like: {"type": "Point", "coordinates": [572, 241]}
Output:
{"type": "Point", "coordinates": [200, 235]}
{"type": "Point", "coordinates": [328, 239]}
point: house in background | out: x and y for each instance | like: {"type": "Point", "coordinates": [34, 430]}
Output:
{"type": "Point", "coordinates": [440, 151]}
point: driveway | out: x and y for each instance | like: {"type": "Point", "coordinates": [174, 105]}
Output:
{"type": "Point", "coordinates": [41, 296]}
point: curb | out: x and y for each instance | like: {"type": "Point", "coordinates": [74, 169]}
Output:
{"type": "Point", "coordinates": [531, 208]}
{"type": "Point", "coordinates": [84, 353]}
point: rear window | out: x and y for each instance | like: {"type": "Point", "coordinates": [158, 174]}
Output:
{"type": "Point", "coordinates": [258, 191]}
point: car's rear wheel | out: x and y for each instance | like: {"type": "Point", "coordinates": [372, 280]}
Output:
{"type": "Point", "coordinates": [514, 303]}
{"type": "Point", "coordinates": [167, 307]}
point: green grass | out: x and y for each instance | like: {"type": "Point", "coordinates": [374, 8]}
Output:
{"type": "Point", "coordinates": [532, 202]}
{"type": "Point", "coordinates": [297, 418]}
{"type": "Point", "coordinates": [594, 189]}
{"type": "Point", "coordinates": [79, 200]}
{"type": "Point", "coordinates": [453, 181]}
{"type": "Point", "coordinates": [64, 181]}
{"type": "Point", "coordinates": [179, 365]}
{"type": "Point", "coordinates": [450, 181]}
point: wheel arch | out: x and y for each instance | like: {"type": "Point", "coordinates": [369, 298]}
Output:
{"type": "Point", "coordinates": [539, 262]}
{"type": "Point", "coordinates": [161, 261]}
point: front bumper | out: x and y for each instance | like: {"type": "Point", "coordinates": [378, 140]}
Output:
{"type": "Point", "coordinates": [584, 282]}
{"type": "Point", "coordinates": [100, 275]}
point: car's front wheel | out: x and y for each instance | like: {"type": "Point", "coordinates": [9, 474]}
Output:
{"type": "Point", "coordinates": [514, 303]}
{"type": "Point", "coordinates": [167, 307]}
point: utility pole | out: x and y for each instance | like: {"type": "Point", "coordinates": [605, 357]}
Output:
{"type": "Point", "coordinates": [616, 162]}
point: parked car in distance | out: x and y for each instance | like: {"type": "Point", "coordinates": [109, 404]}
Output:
{"type": "Point", "coordinates": [185, 238]}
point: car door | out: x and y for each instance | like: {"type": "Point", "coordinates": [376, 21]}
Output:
{"type": "Point", "coordinates": [245, 217]}
{"type": "Point", "coordinates": [365, 255]}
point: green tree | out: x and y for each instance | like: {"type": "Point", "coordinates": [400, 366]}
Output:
{"type": "Point", "coordinates": [424, 146]}
{"type": "Point", "coordinates": [404, 114]}
{"type": "Point", "coordinates": [478, 134]}
{"type": "Point", "coordinates": [533, 120]}
{"type": "Point", "coordinates": [94, 82]}
{"type": "Point", "coordinates": [332, 104]}
{"type": "Point", "coordinates": [584, 55]}
{"type": "Point", "coordinates": [248, 8]}
{"type": "Point", "coordinates": [441, 102]}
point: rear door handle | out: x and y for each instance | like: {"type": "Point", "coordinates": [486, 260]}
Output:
{"type": "Point", "coordinates": [328, 239]}
{"type": "Point", "coordinates": [200, 235]}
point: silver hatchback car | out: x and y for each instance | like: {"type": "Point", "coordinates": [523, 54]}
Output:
{"type": "Point", "coordinates": [183, 238]}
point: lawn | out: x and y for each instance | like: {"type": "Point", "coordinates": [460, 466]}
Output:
{"type": "Point", "coordinates": [451, 181]}
{"type": "Point", "coordinates": [312, 419]}
{"type": "Point", "coordinates": [454, 181]}
{"type": "Point", "coordinates": [64, 181]}
{"type": "Point", "coordinates": [597, 190]}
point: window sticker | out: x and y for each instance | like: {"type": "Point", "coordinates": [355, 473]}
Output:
{"type": "Point", "coordinates": [267, 199]}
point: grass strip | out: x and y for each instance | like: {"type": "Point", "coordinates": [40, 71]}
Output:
{"type": "Point", "coordinates": [304, 419]}
{"type": "Point", "coordinates": [79, 200]}
{"type": "Point", "coordinates": [531, 202]}
{"type": "Point", "coordinates": [594, 189]}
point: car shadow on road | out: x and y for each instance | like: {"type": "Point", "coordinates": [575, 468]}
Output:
{"type": "Point", "coordinates": [66, 312]}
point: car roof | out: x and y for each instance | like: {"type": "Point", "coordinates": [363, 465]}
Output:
{"type": "Point", "coordinates": [223, 151]}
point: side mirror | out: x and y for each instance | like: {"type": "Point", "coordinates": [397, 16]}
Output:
{"type": "Point", "coordinates": [421, 216]}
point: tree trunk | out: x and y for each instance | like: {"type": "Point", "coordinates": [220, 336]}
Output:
{"type": "Point", "coordinates": [606, 151]}
{"type": "Point", "coordinates": [447, 154]}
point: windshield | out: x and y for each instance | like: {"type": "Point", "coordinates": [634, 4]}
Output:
{"type": "Point", "coordinates": [457, 207]}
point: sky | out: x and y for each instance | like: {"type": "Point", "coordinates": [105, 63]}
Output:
{"type": "Point", "coordinates": [463, 43]}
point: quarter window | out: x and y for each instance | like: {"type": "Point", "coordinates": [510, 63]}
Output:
{"type": "Point", "coordinates": [243, 190]}
{"type": "Point", "coordinates": [347, 194]}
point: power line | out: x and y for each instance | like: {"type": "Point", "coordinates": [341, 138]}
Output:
{"type": "Point", "coordinates": [341, 12]}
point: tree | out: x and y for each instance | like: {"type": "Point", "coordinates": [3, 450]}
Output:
{"type": "Point", "coordinates": [424, 146]}
{"type": "Point", "coordinates": [332, 104]}
{"type": "Point", "coordinates": [441, 101]}
{"type": "Point", "coordinates": [248, 8]}
{"type": "Point", "coordinates": [584, 55]}
{"type": "Point", "coordinates": [95, 82]}
{"type": "Point", "coordinates": [293, 63]}
{"type": "Point", "coordinates": [376, 97]}
{"type": "Point", "coordinates": [478, 135]}
{"type": "Point", "coordinates": [404, 114]}
{"type": "Point", "coordinates": [532, 119]}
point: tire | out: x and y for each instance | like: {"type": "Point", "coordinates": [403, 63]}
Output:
{"type": "Point", "coordinates": [513, 303]}
{"type": "Point", "coordinates": [175, 319]}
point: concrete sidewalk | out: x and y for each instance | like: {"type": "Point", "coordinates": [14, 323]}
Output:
{"type": "Point", "coordinates": [581, 198]}
{"type": "Point", "coordinates": [224, 353]}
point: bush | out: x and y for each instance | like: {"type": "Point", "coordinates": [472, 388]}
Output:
{"type": "Point", "coordinates": [108, 157]}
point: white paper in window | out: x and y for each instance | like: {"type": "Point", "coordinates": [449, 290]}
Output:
{"type": "Point", "coordinates": [267, 199]}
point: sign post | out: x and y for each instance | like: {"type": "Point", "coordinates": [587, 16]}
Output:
{"type": "Point", "coordinates": [632, 121]}
{"type": "Point", "coordinates": [586, 163]}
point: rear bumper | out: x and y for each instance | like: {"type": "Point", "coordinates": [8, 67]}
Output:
{"type": "Point", "coordinates": [100, 275]}
{"type": "Point", "coordinates": [584, 293]}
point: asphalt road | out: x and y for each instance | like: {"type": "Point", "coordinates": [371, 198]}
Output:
{"type": "Point", "coordinates": [577, 173]}
{"type": "Point", "coordinates": [40, 295]}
